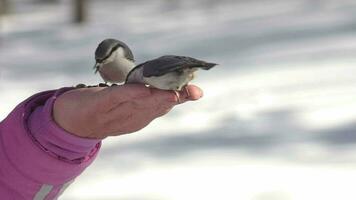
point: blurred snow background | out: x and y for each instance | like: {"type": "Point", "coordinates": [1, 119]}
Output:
{"type": "Point", "coordinates": [277, 121]}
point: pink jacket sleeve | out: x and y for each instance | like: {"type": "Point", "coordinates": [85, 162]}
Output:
{"type": "Point", "coordinates": [38, 159]}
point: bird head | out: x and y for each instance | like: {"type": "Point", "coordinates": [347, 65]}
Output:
{"type": "Point", "coordinates": [111, 50]}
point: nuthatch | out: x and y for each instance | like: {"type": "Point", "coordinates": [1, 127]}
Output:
{"type": "Point", "coordinates": [114, 60]}
{"type": "Point", "coordinates": [115, 63]}
{"type": "Point", "coordinates": [167, 72]}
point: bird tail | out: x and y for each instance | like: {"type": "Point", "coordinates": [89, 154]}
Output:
{"type": "Point", "coordinates": [208, 66]}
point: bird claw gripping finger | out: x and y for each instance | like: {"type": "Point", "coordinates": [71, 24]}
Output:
{"type": "Point", "coordinates": [177, 95]}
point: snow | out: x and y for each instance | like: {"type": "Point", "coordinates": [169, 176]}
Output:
{"type": "Point", "coordinates": [277, 119]}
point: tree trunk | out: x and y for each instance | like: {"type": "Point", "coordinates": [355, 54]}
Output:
{"type": "Point", "coordinates": [4, 7]}
{"type": "Point", "coordinates": [47, 1]}
{"type": "Point", "coordinates": [80, 10]}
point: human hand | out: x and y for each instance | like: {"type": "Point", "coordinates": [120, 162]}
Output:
{"type": "Point", "coordinates": [99, 112]}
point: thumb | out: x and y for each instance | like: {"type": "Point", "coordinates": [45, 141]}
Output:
{"type": "Point", "coordinates": [189, 93]}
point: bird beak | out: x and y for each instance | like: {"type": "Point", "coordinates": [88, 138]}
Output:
{"type": "Point", "coordinates": [96, 67]}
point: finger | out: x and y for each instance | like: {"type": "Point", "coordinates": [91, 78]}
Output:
{"type": "Point", "coordinates": [112, 96]}
{"type": "Point", "coordinates": [136, 113]}
{"type": "Point", "coordinates": [189, 93]}
{"type": "Point", "coordinates": [156, 101]}
{"type": "Point", "coordinates": [163, 96]}
{"type": "Point", "coordinates": [193, 92]}
{"type": "Point", "coordinates": [127, 118]}
{"type": "Point", "coordinates": [157, 104]}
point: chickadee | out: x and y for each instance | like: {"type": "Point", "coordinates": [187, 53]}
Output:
{"type": "Point", "coordinates": [167, 72]}
{"type": "Point", "coordinates": [114, 60]}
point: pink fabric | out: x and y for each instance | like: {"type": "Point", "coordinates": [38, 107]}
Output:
{"type": "Point", "coordinates": [35, 151]}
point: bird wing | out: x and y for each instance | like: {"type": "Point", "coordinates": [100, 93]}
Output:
{"type": "Point", "coordinates": [170, 63]}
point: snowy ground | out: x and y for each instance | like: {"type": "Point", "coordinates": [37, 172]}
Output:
{"type": "Point", "coordinates": [278, 118]}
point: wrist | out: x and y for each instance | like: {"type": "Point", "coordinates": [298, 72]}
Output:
{"type": "Point", "coordinates": [68, 113]}
{"type": "Point", "coordinates": [50, 136]}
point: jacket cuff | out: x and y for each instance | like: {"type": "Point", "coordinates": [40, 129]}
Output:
{"type": "Point", "coordinates": [54, 139]}
{"type": "Point", "coordinates": [37, 148]}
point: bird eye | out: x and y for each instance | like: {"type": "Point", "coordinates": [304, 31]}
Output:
{"type": "Point", "coordinates": [114, 48]}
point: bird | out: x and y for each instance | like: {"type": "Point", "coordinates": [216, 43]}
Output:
{"type": "Point", "coordinates": [169, 72]}
{"type": "Point", "coordinates": [115, 64]}
{"type": "Point", "coordinates": [114, 60]}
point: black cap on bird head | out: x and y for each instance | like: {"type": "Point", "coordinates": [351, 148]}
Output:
{"type": "Point", "coordinates": [107, 46]}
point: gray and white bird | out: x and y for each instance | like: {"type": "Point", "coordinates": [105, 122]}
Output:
{"type": "Point", "coordinates": [115, 64]}
{"type": "Point", "coordinates": [168, 72]}
{"type": "Point", "coordinates": [114, 60]}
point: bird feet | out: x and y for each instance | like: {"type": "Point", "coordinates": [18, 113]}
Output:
{"type": "Point", "coordinates": [178, 95]}
{"type": "Point", "coordinates": [186, 91]}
